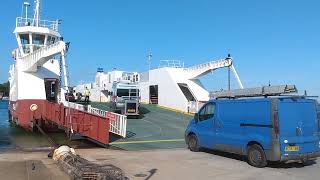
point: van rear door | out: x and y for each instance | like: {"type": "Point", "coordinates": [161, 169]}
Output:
{"type": "Point", "coordinates": [298, 126]}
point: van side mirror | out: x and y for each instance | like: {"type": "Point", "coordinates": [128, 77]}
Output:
{"type": "Point", "coordinates": [196, 117]}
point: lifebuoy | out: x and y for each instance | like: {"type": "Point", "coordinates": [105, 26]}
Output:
{"type": "Point", "coordinates": [33, 107]}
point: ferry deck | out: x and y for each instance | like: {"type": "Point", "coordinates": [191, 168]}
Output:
{"type": "Point", "coordinates": [156, 128]}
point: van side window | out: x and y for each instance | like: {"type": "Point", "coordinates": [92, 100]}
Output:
{"type": "Point", "coordinates": [207, 112]}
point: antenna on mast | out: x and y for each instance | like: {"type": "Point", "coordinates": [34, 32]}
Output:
{"type": "Point", "coordinates": [36, 17]}
{"type": "Point", "coordinates": [26, 5]}
{"type": "Point", "coordinates": [149, 59]}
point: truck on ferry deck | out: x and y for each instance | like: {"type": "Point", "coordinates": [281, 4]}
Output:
{"type": "Point", "coordinates": [280, 129]}
{"type": "Point", "coordinates": [125, 98]}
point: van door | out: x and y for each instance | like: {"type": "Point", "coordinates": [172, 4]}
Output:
{"type": "Point", "coordinates": [298, 126]}
{"type": "Point", "coordinates": [230, 134]}
{"type": "Point", "coordinates": [205, 125]}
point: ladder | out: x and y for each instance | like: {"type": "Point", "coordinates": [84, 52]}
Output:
{"type": "Point", "coordinates": [254, 92]}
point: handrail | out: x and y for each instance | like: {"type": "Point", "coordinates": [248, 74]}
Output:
{"type": "Point", "coordinates": [118, 123]}
{"type": "Point", "coordinates": [23, 22]}
{"type": "Point", "coordinates": [213, 64]}
{"type": "Point", "coordinates": [31, 59]}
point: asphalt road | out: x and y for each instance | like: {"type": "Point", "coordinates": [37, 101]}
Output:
{"type": "Point", "coordinates": [179, 164]}
{"type": "Point", "coordinates": [23, 165]}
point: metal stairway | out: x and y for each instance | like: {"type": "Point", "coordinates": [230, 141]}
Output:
{"type": "Point", "coordinates": [40, 56]}
{"type": "Point", "coordinates": [153, 99]}
{"type": "Point", "coordinates": [197, 71]}
{"type": "Point", "coordinates": [203, 69]}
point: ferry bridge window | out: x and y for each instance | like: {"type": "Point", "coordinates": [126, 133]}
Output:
{"type": "Point", "coordinates": [207, 112]}
{"type": "Point", "coordinates": [122, 92]}
{"type": "Point", "coordinates": [50, 40]}
{"type": "Point", "coordinates": [24, 39]}
{"type": "Point", "coordinates": [38, 39]}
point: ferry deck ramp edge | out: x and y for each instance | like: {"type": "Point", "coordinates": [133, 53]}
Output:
{"type": "Point", "coordinates": [156, 128]}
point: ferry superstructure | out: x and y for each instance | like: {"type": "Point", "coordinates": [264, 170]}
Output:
{"type": "Point", "coordinates": [171, 85]}
{"type": "Point", "coordinates": [39, 81]}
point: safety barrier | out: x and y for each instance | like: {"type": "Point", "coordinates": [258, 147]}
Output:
{"type": "Point", "coordinates": [118, 122]}
{"type": "Point", "coordinates": [22, 22]}
{"type": "Point", "coordinates": [75, 106]}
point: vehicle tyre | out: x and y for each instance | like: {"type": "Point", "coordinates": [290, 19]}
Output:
{"type": "Point", "coordinates": [256, 156]}
{"type": "Point", "coordinates": [193, 143]}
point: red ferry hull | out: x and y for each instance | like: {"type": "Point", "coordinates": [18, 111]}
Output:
{"type": "Point", "coordinates": [28, 113]}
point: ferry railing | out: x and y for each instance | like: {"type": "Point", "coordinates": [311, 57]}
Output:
{"type": "Point", "coordinates": [171, 63]}
{"type": "Point", "coordinates": [210, 65]}
{"type": "Point", "coordinates": [22, 22]}
{"type": "Point", "coordinates": [75, 106]}
{"type": "Point", "coordinates": [118, 122]}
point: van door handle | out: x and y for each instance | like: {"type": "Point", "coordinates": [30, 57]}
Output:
{"type": "Point", "coordinates": [298, 131]}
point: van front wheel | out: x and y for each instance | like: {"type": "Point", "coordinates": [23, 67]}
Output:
{"type": "Point", "coordinates": [256, 156]}
{"type": "Point", "coordinates": [193, 143]}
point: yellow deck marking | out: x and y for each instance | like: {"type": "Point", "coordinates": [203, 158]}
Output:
{"type": "Point", "coordinates": [151, 141]}
{"type": "Point", "coordinates": [175, 110]}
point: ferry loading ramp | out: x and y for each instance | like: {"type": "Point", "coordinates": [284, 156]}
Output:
{"type": "Point", "coordinates": [156, 128]}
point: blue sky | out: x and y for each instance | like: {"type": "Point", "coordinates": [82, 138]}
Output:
{"type": "Point", "coordinates": [271, 40]}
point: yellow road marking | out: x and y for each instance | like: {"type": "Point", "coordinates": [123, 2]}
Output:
{"type": "Point", "coordinates": [151, 141]}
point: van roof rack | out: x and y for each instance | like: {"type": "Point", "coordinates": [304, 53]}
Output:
{"type": "Point", "coordinates": [255, 92]}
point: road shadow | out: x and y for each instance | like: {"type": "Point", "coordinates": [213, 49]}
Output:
{"type": "Point", "coordinates": [278, 165]}
{"type": "Point", "coordinates": [225, 154]}
{"type": "Point", "coordinates": [143, 110]}
{"type": "Point", "coordinates": [146, 176]}
{"type": "Point", "coordinates": [271, 164]}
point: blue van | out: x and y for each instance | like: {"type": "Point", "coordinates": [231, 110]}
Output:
{"type": "Point", "coordinates": [277, 129]}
